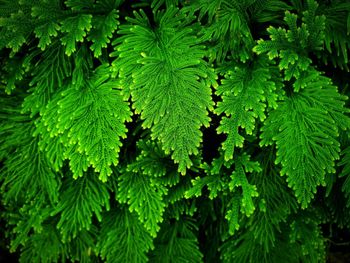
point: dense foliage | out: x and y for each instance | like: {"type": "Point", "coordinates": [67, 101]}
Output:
{"type": "Point", "coordinates": [174, 131]}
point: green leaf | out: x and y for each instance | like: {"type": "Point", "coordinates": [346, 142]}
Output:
{"type": "Point", "coordinates": [144, 197]}
{"type": "Point", "coordinates": [74, 29]}
{"type": "Point", "coordinates": [345, 162]}
{"type": "Point", "coordinates": [177, 242]}
{"type": "Point", "coordinates": [13, 75]}
{"type": "Point", "coordinates": [102, 30]}
{"type": "Point", "coordinates": [226, 27]}
{"type": "Point", "coordinates": [305, 129]}
{"type": "Point", "coordinates": [45, 32]}
{"type": "Point", "coordinates": [171, 87]}
{"type": "Point", "coordinates": [239, 179]}
{"type": "Point", "coordinates": [80, 199]}
{"type": "Point", "coordinates": [27, 175]}
{"type": "Point", "coordinates": [44, 247]}
{"type": "Point", "coordinates": [50, 70]}
{"type": "Point", "coordinates": [96, 124]}
{"type": "Point", "coordinates": [293, 45]}
{"type": "Point", "coordinates": [232, 214]}
{"type": "Point", "coordinates": [16, 25]}
{"type": "Point", "coordinates": [245, 93]}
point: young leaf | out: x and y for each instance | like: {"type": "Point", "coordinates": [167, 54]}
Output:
{"type": "Point", "coordinates": [75, 29]}
{"type": "Point", "coordinates": [102, 30]}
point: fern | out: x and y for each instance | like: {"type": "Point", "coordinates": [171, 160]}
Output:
{"type": "Point", "coordinates": [171, 87]}
{"type": "Point", "coordinates": [177, 243]}
{"type": "Point", "coordinates": [239, 201]}
{"type": "Point", "coordinates": [81, 199]}
{"type": "Point", "coordinates": [48, 243]}
{"type": "Point", "coordinates": [245, 93]}
{"type": "Point", "coordinates": [305, 129]}
{"type": "Point", "coordinates": [292, 45]}
{"type": "Point", "coordinates": [127, 240]}
{"type": "Point", "coordinates": [24, 170]}
{"type": "Point", "coordinates": [138, 190]}
{"type": "Point", "coordinates": [174, 131]}
{"type": "Point", "coordinates": [102, 31]}
{"type": "Point", "coordinates": [94, 140]}
{"type": "Point", "coordinates": [50, 73]}
{"type": "Point", "coordinates": [336, 34]}
{"type": "Point", "coordinates": [345, 162]}
{"type": "Point", "coordinates": [228, 27]}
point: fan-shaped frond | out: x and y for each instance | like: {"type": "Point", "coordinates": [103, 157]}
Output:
{"type": "Point", "coordinates": [171, 86]}
{"type": "Point", "coordinates": [96, 124]}
{"type": "Point", "coordinates": [305, 129]}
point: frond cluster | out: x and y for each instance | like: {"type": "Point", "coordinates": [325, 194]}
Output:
{"type": "Point", "coordinates": [174, 130]}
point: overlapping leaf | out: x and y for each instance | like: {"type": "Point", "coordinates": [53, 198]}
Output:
{"type": "Point", "coordinates": [80, 199]}
{"type": "Point", "coordinates": [177, 242]}
{"type": "Point", "coordinates": [144, 197]}
{"type": "Point", "coordinates": [246, 92]}
{"type": "Point", "coordinates": [293, 45]}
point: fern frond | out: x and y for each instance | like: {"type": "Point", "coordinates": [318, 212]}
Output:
{"type": "Point", "coordinates": [241, 202]}
{"type": "Point", "coordinates": [213, 180]}
{"type": "Point", "coordinates": [74, 30]}
{"type": "Point", "coordinates": [16, 24]}
{"type": "Point", "coordinates": [13, 73]}
{"type": "Point", "coordinates": [50, 73]}
{"type": "Point", "coordinates": [177, 242]}
{"type": "Point", "coordinates": [345, 162]}
{"type": "Point", "coordinates": [305, 129]}
{"type": "Point", "coordinates": [47, 15]}
{"type": "Point", "coordinates": [123, 238]}
{"type": "Point", "coordinates": [246, 92]}
{"type": "Point", "coordinates": [157, 4]}
{"type": "Point", "coordinates": [306, 235]}
{"type": "Point", "coordinates": [293, 45]}
{"type": "Point", "coordinates": [28, 219]}
{"type": "Point", "coordinates": [82, 248]}
{"type": "Point", "coordinates": [44, 247]}
{"type": "Point", "coordinates": [300, 236]}
{"type": "Point", "coordinates": [95, 125]}
{"type": "Point", "coordinates": [80, 199]}
{"type": "Point", "coordinates": [144, 197]}
{"type": "Point", "coordinates": [276, 203]}
{"type": "Point", "coordinates": [26, 175]}
{"type": "Point", "coordinates": [169, 88]}
{"type": "Point", "coordinates": [221, 178]}
{"type": "Point", "coordinates": [337, 39]}
{"type": "Point", "coordinates": [102, 30]}
{"type": "Point", "coordinates": [227, 27]}
{"type": "Point", "coordinates": [243, 248]}
{"type": "Point", "coordinates": [271, 11]}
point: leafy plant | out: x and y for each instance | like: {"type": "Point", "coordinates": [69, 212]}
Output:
{"type": "Point", "coordinates": [174, 131]}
